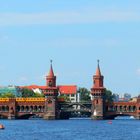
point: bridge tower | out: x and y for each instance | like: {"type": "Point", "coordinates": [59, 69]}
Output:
{"type": "Point", "coordinates": [98, 95]}
{"type": "Point", "coordinates": [51, 94]}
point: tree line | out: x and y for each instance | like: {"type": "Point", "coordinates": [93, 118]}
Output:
{"type": "Point", "coordinates": [84, 94]}
{"type": "Point", "coordinates": [24, 92]}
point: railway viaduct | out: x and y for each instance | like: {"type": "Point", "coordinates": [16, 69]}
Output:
{"type": "Point", "coordinates": [51, 108]}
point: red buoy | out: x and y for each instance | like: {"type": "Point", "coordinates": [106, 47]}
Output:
{"type": "Point", "coordinates": [109, 122]}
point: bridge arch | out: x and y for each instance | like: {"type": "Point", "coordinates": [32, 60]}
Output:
{"type": "Point", "coordinates": [22, 108]}
{"type": "Point", "coordinates": [27, 109]}
{"type": "Point", "coordinates": [27, 116]}
{"type": "Point", "coordinates": [4, 108]}
{"type": "Point", "coordinates": [30, 108]}
{"type": "Point", "coordinates": [35, 108]}
{"type": "Point", "coordinates": [121, 108]}
{"type": "Point", "coordinates": [75, 109]}
{"type": "Point", "coordinates": [25, 112]}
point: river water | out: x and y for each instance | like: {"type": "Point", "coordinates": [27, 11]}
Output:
{"type": "Point", "coordinates": [75, 129]}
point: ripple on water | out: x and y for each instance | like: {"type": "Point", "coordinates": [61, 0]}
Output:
{"type": "Point", "coordinates": [70, 130]}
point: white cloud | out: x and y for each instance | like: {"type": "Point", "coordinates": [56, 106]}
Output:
{"type": "Point", "coordinates": [69, 17]}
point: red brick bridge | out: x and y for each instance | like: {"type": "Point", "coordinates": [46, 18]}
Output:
{"type": "Point", "coordinates": [50, 107]}
{"type": "Point", "coordinates": [24, 108]}
{"type": "Point", "coordinates": [101, 109]}
{"type": "Point", "coordinates": [19, 108]}
{"type": "Point", "coordinates": [115, 109]}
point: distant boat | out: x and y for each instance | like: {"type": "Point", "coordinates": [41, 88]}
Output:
{"type": "Point", "coordinates": [132, 117]}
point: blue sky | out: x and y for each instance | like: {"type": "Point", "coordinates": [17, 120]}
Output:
{"type": "Point", "coordinates": [74, 34]}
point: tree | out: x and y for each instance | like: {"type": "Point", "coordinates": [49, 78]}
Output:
{"type": "Point", "coordinates": [30, 93]}
{"type": "Point", "coordinates": [84, 94]}
{"type": "Point", "coordinates": [7, 95]}
{"type": "Point", "coordinates": [108, 95]}
{"type": "Point", "coordinates": [27, 92]}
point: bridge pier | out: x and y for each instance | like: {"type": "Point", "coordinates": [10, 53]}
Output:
{"type": "Point", "coordinates": [51, 109]}
{"type": "Point", "coordinates": [49, 113]}
{"type": "Point", "coordinates": [12, 109]}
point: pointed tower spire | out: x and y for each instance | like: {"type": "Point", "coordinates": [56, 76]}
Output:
{"type": "Point", "coordinates": [98, 72]}
{"type": "Point", "coordinates": [51, 78]}
{"type": "Point", "coordinates": [98, 78]}
{"type": "Point", "coordinates": [51, 73]}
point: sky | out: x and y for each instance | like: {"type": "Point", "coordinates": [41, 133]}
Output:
{"type": "Point", "coordinates": [74, 34]}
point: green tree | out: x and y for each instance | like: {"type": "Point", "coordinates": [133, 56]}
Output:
{"type": "Point", "coordinates": [84, 94]}
{"type": "Point", "coordinates": [27, 92]}
{"type": "Point", "coordinates": [30, 93]}
{"type": "Point", "coordinates": [7, 95]}
{"type": "Point", "coordinates": [108, 95]}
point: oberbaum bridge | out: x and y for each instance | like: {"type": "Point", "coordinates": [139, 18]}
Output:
{"type": "Point", "coordinates": [51, 107]}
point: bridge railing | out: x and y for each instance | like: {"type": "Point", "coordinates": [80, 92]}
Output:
{"type": "Point", "coordinates": [21, 99]}
{"type": "Point", "coordinates": [29, 99]}
{"type": "Point", "coordinates": [75, 103]}
{"type": "Point", "coordinates": [4, 99]}
{"type": "Point", "coordinates": [76, 110]}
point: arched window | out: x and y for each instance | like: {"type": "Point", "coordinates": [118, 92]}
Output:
{"type": "Point", "coordinates": [18, 108]}
{"type": "Point", "coordinates": [40, 108]}
{"type": "Point", "coordinates": [134, 108]}
{"type": "Point", "coordinates": [3, 108]}
{"type": "Point", "coordinates": [7, 108]}
{"type": "Point", "coordinates": [31, 108]}
{"type": "Point", "coordinates": [35, 108]}
{"type": "Point", "coordinates": [27, 109]}
{"type": "Point", "coordinates": [22, 108]}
